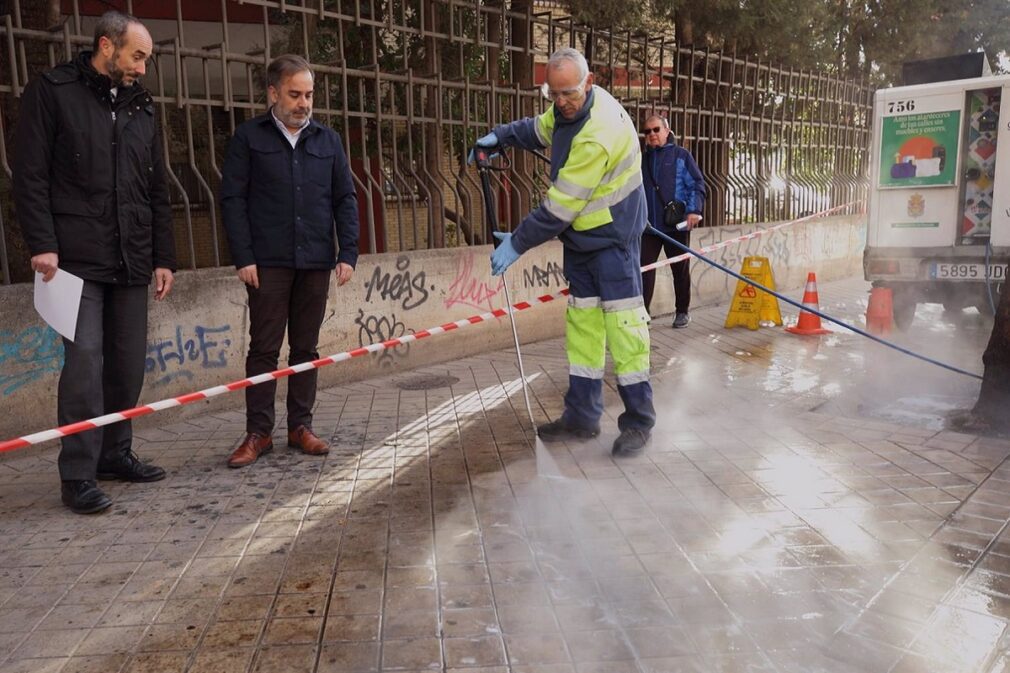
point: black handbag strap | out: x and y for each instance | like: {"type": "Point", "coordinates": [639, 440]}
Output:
{"type": "Point", "coordinates": [655, 183]}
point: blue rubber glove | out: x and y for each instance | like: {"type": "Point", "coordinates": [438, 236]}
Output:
{"type": "Point", "coordinates": [490, 140]}
{"type": "Point", "coordinates": [504, 255]}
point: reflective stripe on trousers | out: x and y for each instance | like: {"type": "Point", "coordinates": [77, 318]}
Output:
{"type": "Point", "coordinates": [606, 311]}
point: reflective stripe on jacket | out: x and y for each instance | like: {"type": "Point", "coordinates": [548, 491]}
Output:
{"type": "Point", "coordinates": [595, 199]}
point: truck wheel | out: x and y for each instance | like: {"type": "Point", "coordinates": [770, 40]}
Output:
{"type": "Point", "coordinates": [904, 311]}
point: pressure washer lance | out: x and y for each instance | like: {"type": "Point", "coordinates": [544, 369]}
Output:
{"type": "Point", "coordinates": [482, 157]}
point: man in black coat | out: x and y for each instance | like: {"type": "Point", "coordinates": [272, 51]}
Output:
{"type": "Point", "coordinates": [288, 201]}
{"type": "Point", "coordinates": [91, 197]}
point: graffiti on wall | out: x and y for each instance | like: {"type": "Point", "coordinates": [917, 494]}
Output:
{"type": "Point", "coordinates": [28, 356]}
{"type": "Point", "coordinates": [774, 246]}
{"type": "Point", "coordinates": [37, 351]}
{"type": "Point", "coordinates": [550, 276]}
{"type": "Point", "coordinates": [177, 357]}
{"type": "Point", "coordinates": [468, 290]}
{"type": "Point", "coordinates": [801, 247]}
{"type": "Point", "coordinates": [378, 328]}
{"type": "Point", "coordinates": [403, 285]}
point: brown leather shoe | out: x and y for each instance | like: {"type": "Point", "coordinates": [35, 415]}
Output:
{"type": "Point", "coordinates": [303, 438]}
{"type": "Point", "coordinates": [252, 447]}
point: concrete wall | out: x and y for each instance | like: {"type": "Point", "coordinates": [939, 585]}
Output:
{"type": "Point", "coordinates": [832, 247]}
{"type": "Point", "coordinates": [198, 336]}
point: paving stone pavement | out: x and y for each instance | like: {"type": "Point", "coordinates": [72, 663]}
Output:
{"type": "Point", "coordinates": [800, 509]}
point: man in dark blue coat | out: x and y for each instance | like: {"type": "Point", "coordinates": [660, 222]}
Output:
{"type": "Point", "coordinates": [670, 174]}
{"type": "Point", "coordinates": [288, 201]}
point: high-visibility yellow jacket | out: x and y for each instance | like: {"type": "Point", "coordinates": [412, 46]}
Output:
{"type": "Point", "coordinates": [596, 198]}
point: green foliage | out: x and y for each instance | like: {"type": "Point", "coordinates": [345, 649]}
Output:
{"type": "Point", "coordinates": [894, 31]}
{"type": "Point", "coordinates": [852, 38]}
{"type": "Point", "coordinates": [610, 15]}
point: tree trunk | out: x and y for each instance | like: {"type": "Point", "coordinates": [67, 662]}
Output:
{"type": "Point", "coordinates": [494, 36]}
{"type": "Point", "coordinates": [36, 16]}
{"type": "Point", "coordinates": [436, 20]}
{"type": "Point", "coordinates": [520, 32]}
{"type": "Point", "coordinates": [684, 35]}
{"type": "Point", "coordinates": [684, 27]}
{"type": "Point", "coordinates": [993, 407]}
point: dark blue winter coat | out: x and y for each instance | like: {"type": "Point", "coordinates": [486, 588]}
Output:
{"type": "Point", "coordinates": [678, 176]}
{"type": "Point", "coordinates": [287, 207]}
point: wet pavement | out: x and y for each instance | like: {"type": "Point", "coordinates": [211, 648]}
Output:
{"type": "Point", "coordinates": [801, 509]}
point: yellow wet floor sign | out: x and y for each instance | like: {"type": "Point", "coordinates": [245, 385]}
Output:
{"type": "Point", "coordinates": [752, 306]}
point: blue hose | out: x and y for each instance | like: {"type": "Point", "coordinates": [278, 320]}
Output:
{"type": "Point", "coordinates": [816, 312]}
{"type": "Point", "coordinates": [988, 278]}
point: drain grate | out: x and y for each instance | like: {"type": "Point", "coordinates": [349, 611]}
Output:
{"type": "Point", "coordinates": [425, 382]}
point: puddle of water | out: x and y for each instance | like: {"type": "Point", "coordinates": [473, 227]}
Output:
{"type": "Point", "coordinates": [925, 411]}
{"type": "Point", "coordinates": [569, 530]}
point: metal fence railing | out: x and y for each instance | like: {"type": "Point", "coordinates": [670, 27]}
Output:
{"type": "Point", "coordinates": [410, 84]}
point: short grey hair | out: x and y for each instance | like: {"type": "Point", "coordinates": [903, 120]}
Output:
{"type": "Point", "coordinates": [660, 117]}
{"type": "Point", "coordinates": [284, 66]}
{"type": "Point", "coordinates": [569, 54]}
{"type": "Point", "coordinates": [113, 25]}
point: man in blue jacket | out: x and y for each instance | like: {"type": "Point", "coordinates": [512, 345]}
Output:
{"type": "Point", "coordinates": [288, 199]}
{"type": "Point", "coordinates": [670, 174]}
{"type": "Point", "coordinates": [596, 206]}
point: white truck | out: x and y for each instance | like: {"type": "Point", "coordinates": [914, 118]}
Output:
{"type": "Point", "coordinates": [938, 226]}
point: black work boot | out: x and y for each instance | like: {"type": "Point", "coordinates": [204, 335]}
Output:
{"type": "Point", "coordinates": [128, 467]}
{"type": "Point", "coordinates": [559, 431]}
{"type": "Point", "coordinates": [83, 496]}
{"type": "Point", "coordinates": [631, 442]}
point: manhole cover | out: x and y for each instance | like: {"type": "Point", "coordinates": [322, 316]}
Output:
{"type": "Point", "coordinates": [426, 382]}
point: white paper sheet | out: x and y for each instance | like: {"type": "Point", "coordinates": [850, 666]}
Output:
{"type": "Point", "coordinates": [682, 226]}
{"type": "Point", "coordinates": [59, 301]}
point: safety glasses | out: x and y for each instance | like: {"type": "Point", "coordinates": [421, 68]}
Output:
{"type": "Point", "coordinates": [566, 94]}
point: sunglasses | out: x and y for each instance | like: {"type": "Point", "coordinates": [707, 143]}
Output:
{"type": "Point", "coordinates": [654, 129]}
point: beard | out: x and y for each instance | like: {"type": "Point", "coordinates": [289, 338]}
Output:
{"type": "Point", "coordinates": [295, 118]}
{"type": "Point", "coordinates": [116, 74]}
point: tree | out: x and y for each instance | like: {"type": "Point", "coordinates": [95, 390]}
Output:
{"type": "Point", "coordinates": [36, 16]}
{"type": "Point", "coordinates": [990, 414]}
{"type": "Point", "coordinates": [890, 32]}
{"type": "Point", "coordinates": [852, 38]}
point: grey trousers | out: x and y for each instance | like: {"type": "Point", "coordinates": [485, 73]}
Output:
{"type": "Point", "coordinates": [103, 372]}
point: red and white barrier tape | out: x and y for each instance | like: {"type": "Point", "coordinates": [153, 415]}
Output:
{"type": "Point", "coordinates": [207, 393]}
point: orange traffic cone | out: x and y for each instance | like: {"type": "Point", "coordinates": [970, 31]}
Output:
{"type": "Point", "coordinates": [880, 311]}
{"type": "Point", "coordinates": [808, 322]}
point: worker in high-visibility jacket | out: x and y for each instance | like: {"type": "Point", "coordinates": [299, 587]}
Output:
{"type": "Point", "coordinates": [596, 206]}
